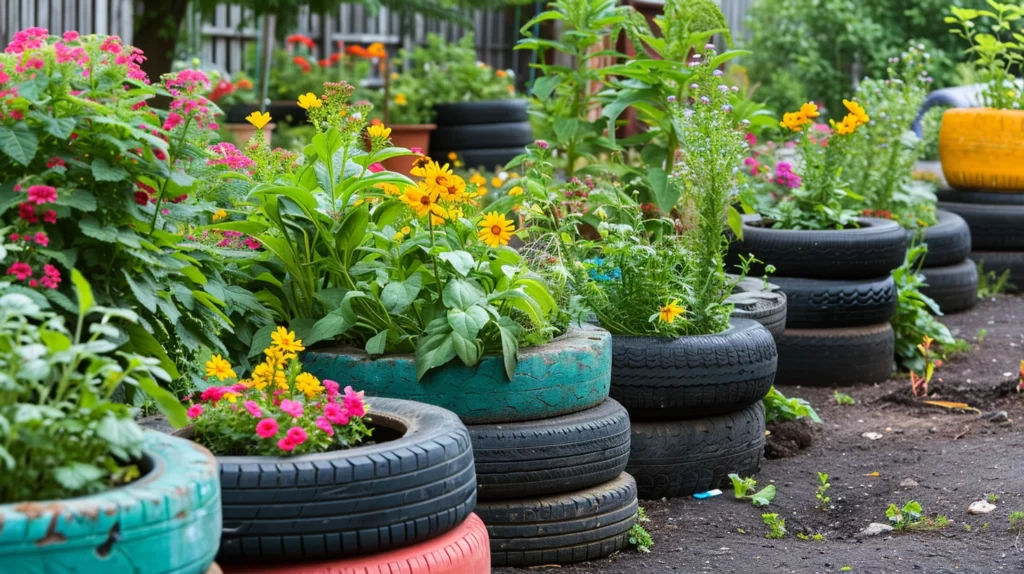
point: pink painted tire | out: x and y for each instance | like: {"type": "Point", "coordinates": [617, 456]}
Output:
{"type": "Point", "coordinates": [464, 550]}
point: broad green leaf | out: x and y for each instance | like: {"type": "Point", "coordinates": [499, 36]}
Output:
{"type": "Point", "coordinates": [469, 322]}
{"type": "Point", "coordinates": [462, 293]}
{"type": "Point", "coordinates": [433, 351]}
{"type": "Point", "coordinates": [261, 340]}
{"type": "Point", "coordinates": [103, 171]}
{"type": "Point", "coordinates": [142, 342]}
{"type": "Point", "coordinates": [84, 292]}
{"type": "Point", "coordinates": [565, 129]}
{"type": "Point", "coordinates": [19, 142]}
{"type": "Point", "coordinates": [398, 296]}
{"type": "Point", "coordinates": [352, 231]}
{"type": "Point", "coordinates": [736, 222]}
{"type": "Point", "coordinates": [168, 404]}
{"type": "Point", "coordinates": [194, 274]}
{"type": "Point", "coordinates": [91, 228]}
{"type": "Point", "coordinates": [461, 261]}
{"type": "Point", "coordinates": [143, 294]}
{"type": "Point", "coordinates": [509, 330]}
{"type": "Point", "coordinates": [376, 344]}
{"type": "Point", "coordinates": [764, 496]}
{"type": "Point", "coordinates": [544, 86]}
{"type": "Point", "coordinates": [123, 435]}
{"type": "Point", "coordinates": [78, 475]}
{"type": "Point", "coordinates": [55, 341]}
{"type": "Point", "coordinates": [467, 350]}
{"type": "Point", "coordinates": [80, 199]}
{"type": "Point", "coordinates": [327, 328]}
{"type": "Point", "coordinates": [664, 195]}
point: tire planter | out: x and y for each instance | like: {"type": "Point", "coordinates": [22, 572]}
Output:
{"type": "Point", "coordinates": [167, 521]}
{"type": "Point", "coordinates": [872, 250]}
{"type": "Point", "coordinates": [659, 379]}
{"type": "Point", "coordinates": [830, 357]}
{"type": "Point", "coordinates": [827, 303]}
{"type": "Point", "coordinates": [982, 148]}
{"type": "Point", "coordinates": [287, 111]}
{"type": "Point", "coordinates": [953, 287]}
{"type": "Point", "coordinates": [1000, 261]}
{"type": "Point", "coordinates": [363, 500]}
{"type": "Point", "coordinates": [551, 456]}
{"type": "Point", "coordinates": [569, 374]}
{"type": "Point", "coordinates": [481, 112]}
{"type": "Point", "coordinates": [993, 227]}
{"type": "Point", "coordinates": [562, 529]}
{"type": "Point", "coordinates": [483, 134]}
{"type": "Point", "coordinates": [949, 240]}
{"type": "Point", "coordinates": [462, 550]}
{"type": "Point", "coordinates": [987, 197]}
{"type": "Point", "coordinates": [768, 306]}
{"type": "Point", "coordinates": [679, 458]}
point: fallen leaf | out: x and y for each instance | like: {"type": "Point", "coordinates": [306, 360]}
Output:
{"type": "Point", "coordinates": [949, 405]}
{"type": "Point", "coordinates": [872, 474]}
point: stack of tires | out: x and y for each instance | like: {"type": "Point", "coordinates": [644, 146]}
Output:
{"type": "Point", "coordinates": [840, 295]}
{"type": "Point", "coordinates": [951, 276]}
{"type": "Point", "coordinates": [982, 153]}
{"type": "Point", "coordinates": [403, 500]}
{"type": "Point", "coordinates": [761, 301]}
{"type": "Point", "coordinates": [483, 134]}
{"type": "Point", "coordinates": [695, 406]}
{"type": "Point", "coordinates": [550, 447]}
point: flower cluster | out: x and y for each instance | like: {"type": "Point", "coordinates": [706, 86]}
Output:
{"type": "Point", "coordinates": [853, 120]}
{"type": "Point", "coordinates": [795, 121]}
{"type": "Point", "coordinates": [279, 410]}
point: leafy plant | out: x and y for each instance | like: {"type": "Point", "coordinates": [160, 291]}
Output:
{"type": "Point", "coordinates": [991, 283]}
{"type": "Point", "coordinates": [1017, 522]}
{"type": "Point", "coordinates": [638, 535]}
{"type": "Point", "coordinates": [996, 53]}
{"type": "Point", "coordinates": [815, 537]}
{"type": "Point", "coordinates": [992, 498]}
{"type": "Point", "coordinates": [296, 70]}
{"type": "Point", "coordinates": [744, 489]}
{"type": "Point", "coordinates": [62, 435]}
{"type": "Point", "coordinates": [821, 494]}
{"type": "Point", "coordinates": [778, 408]}
{"type": "Point", "coordinates": [906, 517]}
{"type": "Point", "coordinates": [980, 336]}
{"type": "Point", "coordinates": [931, 122]}
{"type": "Point", "coordinates": [776, 526]}
{"type": "Point", "coordinates": [844, 399]}
{"type": "Point", "coordinates": [915, 313]}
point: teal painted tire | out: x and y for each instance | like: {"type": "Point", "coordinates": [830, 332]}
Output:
{"type": "Point", "coordinates": [167, 522]}
{"type": "Point", "coordinates": [570, 374]}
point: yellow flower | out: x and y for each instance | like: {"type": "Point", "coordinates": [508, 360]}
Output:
{"type": "Point", "coordinates": [279, 357]}
{"type": "Point", "coordinates": [452, 156]}
{"type": "Point", "coordinates": [794, 121]}
{"type": "Point", "coordinates": [442, 179]}
{"type": "Point", "coordinates": [670, 312]}
{"type": "Point", "coordinates": [601, 214]}
{"type": "Point", "coordinates": [847, 126]}
{"type": "Point", "coordinates": [496, 182]}
{"type": "Point", "coordinates": [400, 234]}
{"type": "Point", "coordinates": [400, 99]}
{"type": "Point", "coordinates": [406, 230]}
{"type": "Point", "coordinates": [262, 374]}
{"type": "Point", "coordinates": [419, 166]}
{"type": "Point", "coordinates": [495, 230]}
{"type": "Point", "coordinates": [309, 100]}
{"type": "Point", "coordinates": [389, 188]}
{"type": "Point", "coordinates": [308, 385]}
{"type": "Point", "coordinates": [231, 397]}
{"type": "Point", "coordinates": [477, 179]}
{"type": "Point", "coordinates": [258, 119]}
{"type": "Point", "coordinates": [422, 199]}
{"type": "Point", "coordinates": [515, 191]}
{"type": "Point", "coordinates": [285, 340]}
{"type": "Point", "coordinates": [218, 367]}
{"type": "Point", "coordinates": [378, 131]}
{"type": "Point", "coordinates": [809, 110]}
{"type": "Point", "coordinates": [857, 111]}
{"type": "Point", "coordinates": [455, 191]}
{"type": "Point", "coordinates": [220, 214]}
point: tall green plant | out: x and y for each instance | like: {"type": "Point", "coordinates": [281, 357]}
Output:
{"type": "Point", "coordinates": [997, 53]}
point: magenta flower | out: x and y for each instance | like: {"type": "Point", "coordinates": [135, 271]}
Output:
{"type": "Point", "coordinates": [293, 408]}
{"type": "Point", "coordinates": [335, 414]}
{"type": "Point", "coordinates": [353, 403]}
{"type": "Point", "coordinates": [285, 445]}
{"type": "Point", "coordinates": [266, 428]}
{"type": "Point", "coordinates": [253, 409]}
{"type": "Point", "coordinates": [41, 239]}
{"type": "Point", "coordinates": [194, 411]}
{"type": "Point", "coordinates": [331, 386]}
{"type": "Point", "coordinates": [21, 270]}
{"type": "Point", "coordinates": [297, 435]}
{"type": "Point", "coordinates": [40, 194]}
{"type": "Point", "coordinates": [323, 424]}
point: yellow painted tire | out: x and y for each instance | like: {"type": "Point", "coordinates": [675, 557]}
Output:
{"type": "Point", "coordinates": [983, 149]}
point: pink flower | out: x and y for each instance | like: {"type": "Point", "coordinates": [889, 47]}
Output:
{"type": "Point", "coordinates": [292, 408]}
{"type": "Point", "coordinates": [50, 216]}
{"type": "Point", "coordinates": [297, 435]}
{"type": "Point", "coordinates": [751, 139]}
{"type": "Point", "coordinates": [335, 414]}
{"type": "Point", "coordinates": [194, 411]}
{"type": "Point", "coordinates": [40, 194]}
{"type": "Point", "coordinates": [354, 403]}
{"type": "Point", "coordinates": [541, 144]}
{"type": "Point", "coordinates": [55, 162]}
{"type": "Point", "coordinates": [266, 428]}
{"type": "Point", "coordinates": [33, 283]}
{"type": "Point", "coordinates": [323, 424]}
{"type": "Point", "coordinates": [418, 150]}
{"type": "Point", "coordinates": [376, 167]}
{"type": "Point", "coordinates": [70, 36]}
{"type": "Point", "coordinates": [253, 409]}
{"type": "Point", "coordinates": [753, 164]}
{"type": "Point", "coordinates": [20, 270]}
{"type": "Point", "coordinates": [331, 386]}
{"type": "Point", "coordinates": [212, 394]}
{"type": "Point", "coordinates": [173, 120]}
{"type": "Point", "coordinates": [286, 445]}
{"type": "Point", "coordinates": [27, 212]}
{"type": "Point", "coordinates": [42, 239]}
{"type": "Point", "coordinates": [15, 237]}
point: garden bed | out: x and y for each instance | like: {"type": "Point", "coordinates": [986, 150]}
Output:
{"type": "Point", "coordinates": [953, 456]}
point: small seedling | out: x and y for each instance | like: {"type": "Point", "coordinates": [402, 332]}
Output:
{"type": "Point", "coordinates": [779, 408]}
{"type": "Point", "coordinates": [990, 283]}
{"type": "Point", "coordinates": [776, 526]}
{"type": "Point", "coordinates": [814, 537]}
{"type": "Point", "coordinates": [638, 535]}
{"type": "Point", "coordinates": [745, 490]}
{"type": "Point", "coordinates": [980, 338]}
{"type": "Point", "coordinates": [844, 399]}
{"type": "Point", "coordinates": [822, 493]}
{"type": "Point", "coordinates": [846, 568]}
{"type": "Point", "coordinates": [967, 527]}
{"type": "Point", "coordinates": [906, 517]}
{"type": "Point", "coordinates": [992, 498]}
{"type": "Point", "coordinates": [1016, 522]}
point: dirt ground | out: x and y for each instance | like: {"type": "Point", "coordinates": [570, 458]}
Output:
{"type": "Point", "coordinates": [943, 459]}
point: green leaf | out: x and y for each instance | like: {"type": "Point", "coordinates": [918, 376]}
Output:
{"type": "Point", "coordinates": [467, 350]}
{"type": "Point", "coordinates": [509, 330]}
{"type": "Point", "coordinates": [142, 292]}
{"type": "Point", "coordinates": [398, 296]}
{"type": "Point", "coordinates": [565, 129]}
{"type": "Point", "coordinates": [84, 292]}
{"type": "Point", "coordinates": [469, 322]}
{"type": "Point", "coordinates": [193, 273]}
{"type": "Point", "coordinates": [327, 328]}
{"type": "Point", "coordinates": [764, 496]}
{"type": "Point", "coordinates": [19, 142]}
{"type": "Point", "coordinates": [664, 195]}
{"type": "Point", "coordinates": [736, 222]}
{"type": "Point", "coordinates": [168, 404]}
{"type": "Point", "coordinates": [78, 475]}
{"type": "Point", "coordinates": [123, 435]}
{"type": "Point", "coordinates": [433, 351]}
{"type": "Point", "coordinates": [461, 261]}
{"type": "Point", "coordinates": [103, 171]}
{"type": "Point", "coordinates": [261, 340]}
{"type": "Point", "coordinates": [462, 293]}
{"type": "Point", "coordinates": [55, 341]}
{"type": "Point", "coordinates": [60, 128]}
{"type": "Point", "coordinates": [91, 228]}
{"type": "Point", "coordinates": [544, 86]}
{"type": "Point", "coordinates": [352, 231]}
{"type": "Point", "coordinates": [377, 343]}
{"type": "Point", "coordinates": [80, 199]}
{"type": "Point", "coordinates": [142, 342]}
{"type": "Point", "coordinates": [739, 487]}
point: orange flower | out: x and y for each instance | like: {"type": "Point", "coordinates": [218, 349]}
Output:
{"type": "Point", "coordinates": [243, 84]}
{"type": "Point", "coordinates": [377, 50]}
{"type": "Point", "coordinates": [357, 51]}
{"type": "Point", "coordinates": [500, 73]}
{"type": "Point", "coordinates": [302, 63]}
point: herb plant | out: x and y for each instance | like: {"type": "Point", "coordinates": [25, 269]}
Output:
{"type": "Point", "coordinates": [915, 316]}
{"type": "Point", "coordinates": [844, 399]}
{"type": "Point", "coordinates": [821, 493]}
{"type": "Point", "coordinates": [776, 526]}
{"type": "Point", "coordinates": [994, 40]}
{"type": "Point", "coordinates": [638, 535]}
{"type": "Point", "coordinates": [906, 517]}
{"type": "Point", "coordinates": [746, 489]}
{"type": "Point", "coordinates": [778, 408]}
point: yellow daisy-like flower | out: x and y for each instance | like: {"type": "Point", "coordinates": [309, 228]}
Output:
{"type": "Point", "coordinates": [439, 176]}
{"type": "Point", "coordinates": [285, 340]}
{"type": "Point", "coordinates": [477, 180]}
{"type": "Point", "coordinates": [400, 99]}
{"type": "Point", "coordinates": [515, 191]}
{"type": "Point", "coordinates": [670, 312]}
{"type": "Point", "coordinates": [218, 367]}
{"type": "Point", "coordinates": [278, 357]}
{"type": "Point", "coordinates": [810, 110]}
{"type": "Point", "coordinates": [847, 126]}
{"type": "Point", "coordinates": [495, 230]}
{"type": "Point", "coordinates": [496, 182]}
{"type": "Point", "coordinates": [308, 385]}
{"type": "Point", "coordinates": [389, 189]}
{"type": "Point", "coordinates": [422, 199]}
{"type": "Point", "coordinates": [262, 374]}
{"type": "Point", "coordinates": [857, 111]}
{"type": "Point", "coordinates": [419, 166]}
{"type": "Point", "coordinates": [258, 119]}
{"type": "Point", "coordinates": [231, 397]}
{"type": "Point", "coordinates": [378, 131]}
{"type": "Point", "coordinates": [309, 100]}
{"type": "Point", "coordinates": [220, 214]}
{"type": "Point", "coordinates": [794, 121]}
{"type": "Point", "coordinates": [456, 190]}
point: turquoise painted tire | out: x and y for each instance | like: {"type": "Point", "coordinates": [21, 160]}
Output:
{"type": "Point", "coordinates": [167, 522]}
{"type": "Point", "coordinates": [570, 374]}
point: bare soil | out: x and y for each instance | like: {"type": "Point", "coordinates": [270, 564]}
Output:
{"type": "Point", "coordinates": [943, 458]}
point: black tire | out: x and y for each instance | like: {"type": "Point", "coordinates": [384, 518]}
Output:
{"type": "Point", "coordinates": [659, 379]}
{"type": "Point", "coordinates": [949, 240]}
{"type": "Point", "coordinates": [481, 136]}
{"type": "Point", "coordinates": [872, 250]}
{"type": "Point", "coordinates": [484, 112]}
{"type": "Point", "coordinates": [993, 227]}
{"type": "Point", "coordinates": [488, 159]}
{"type": "Point", "coordinates": [751, 300]}
{"type": "Point", "coordinates": [362, 500]}
{"type": "Point", "coordinates": [1001, 261]}
{"type": "Point", "coordinates": [953, 287]}
{"type": "Point", "coordinates": [680, 458]}
{"type": "Point", "coordinates": [551, 456]}
{"type": "Point", "coordinates": [830, 357]}
{"type": "Point", "coordinates": [985, 197]}
{"type": "Point", "coordinates": [562, 529]}
{"type": "Point", "coordinates": [831, 303]}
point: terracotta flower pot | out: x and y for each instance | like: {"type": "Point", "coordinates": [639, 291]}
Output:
{"type": "Point", "coordinates": [409, 136]}
{"type": "Point", "coordinates": [242, 133]}
{"type": "Point", "coordinates": [983, 149]}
